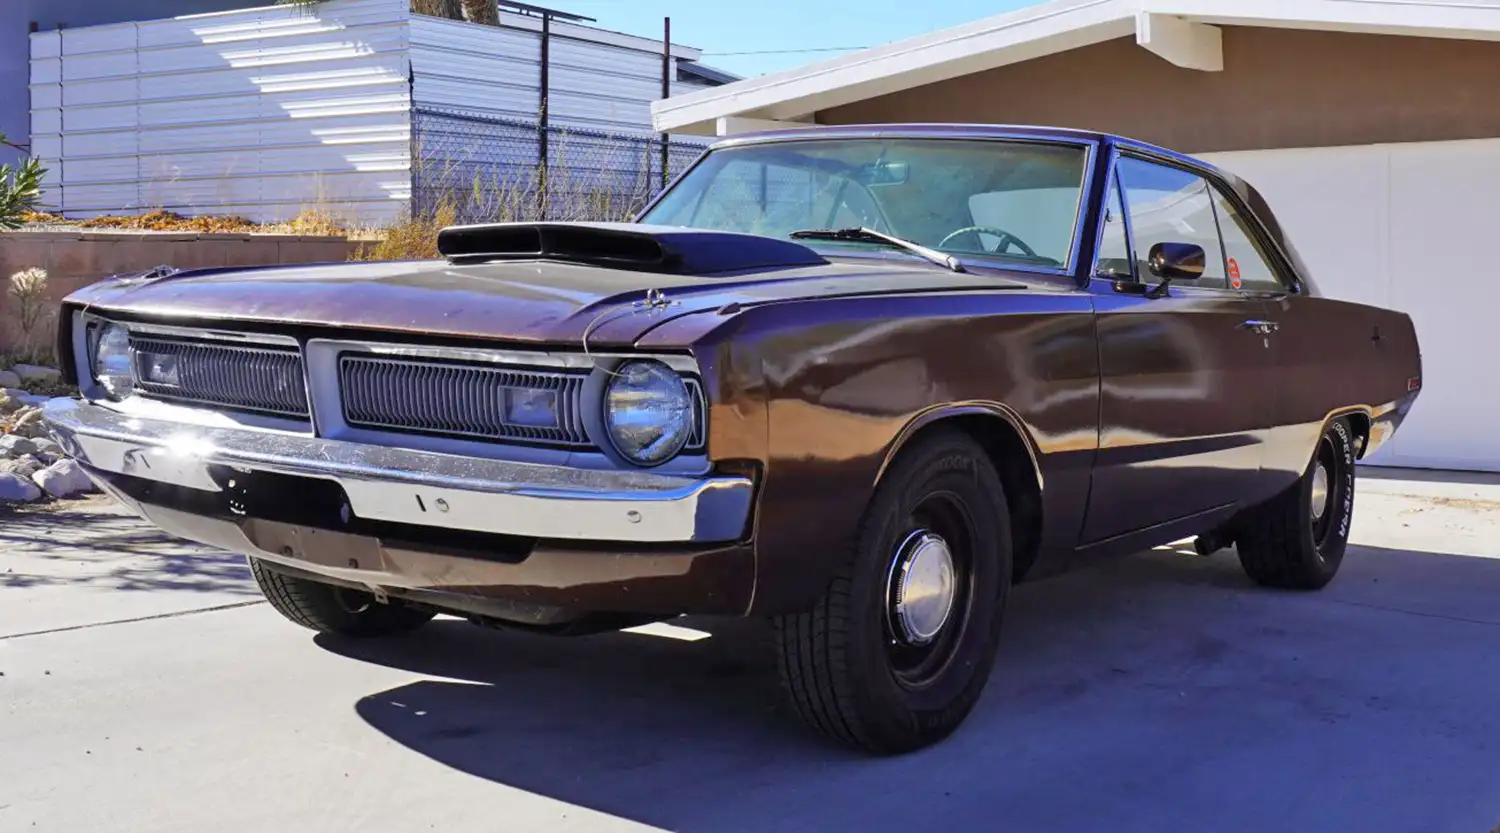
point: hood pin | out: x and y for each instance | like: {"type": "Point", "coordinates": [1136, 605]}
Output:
{"type": "Point", "coordinates": [655, 300]}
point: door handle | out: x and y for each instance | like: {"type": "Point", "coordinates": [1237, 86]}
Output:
{"type": "Point", "coordinates": [1256, 325]}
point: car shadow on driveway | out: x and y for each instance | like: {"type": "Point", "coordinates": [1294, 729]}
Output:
{"type": "Point", "coordinates": [98, 544]}
{"type": "Point", "coordinates": [1162, 692]}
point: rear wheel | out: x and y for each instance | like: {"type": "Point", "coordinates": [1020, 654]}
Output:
{"type": "Point", "coordinates": [1297, 539]}
{"type": "Point", "coordinates": [897, 652]}
{"type": "Point", "coordinates": [328, 608]}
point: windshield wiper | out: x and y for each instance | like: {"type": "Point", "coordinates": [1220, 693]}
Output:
{"type": "Point", "coordinates": [867, 235]}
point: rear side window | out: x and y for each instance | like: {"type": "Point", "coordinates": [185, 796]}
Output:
{"type": "Point", "coordinates": [1167, 205]}
{"type": "Point", "coordinates": [1246, 262]}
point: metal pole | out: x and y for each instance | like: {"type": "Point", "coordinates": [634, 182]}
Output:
{"type": "Point", "coordinates": [544, 131]}
{"type": "Point", "coordinates": [666, 92]}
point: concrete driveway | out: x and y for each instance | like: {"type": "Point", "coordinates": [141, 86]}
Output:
{"type": "Point", "coordinates": [146, 689]}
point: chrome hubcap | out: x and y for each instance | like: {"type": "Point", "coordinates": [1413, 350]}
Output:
{"type": "Point", "coordinates": [923, 587]}
{"type": "Point", "coordinates": [1319, 492]}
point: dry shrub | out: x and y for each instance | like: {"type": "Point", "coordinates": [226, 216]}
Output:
{"type": "Point", "coordinates": [483, 12]}
{"type": "Point", "coordinates": [414, 238]}
{"type": "Point", "coordinates": [29, 289]}
{"type": "Point", "coordinates": [172, 221]}
{"type": "Point", "coordinates": [451, 9]}
{"type": "Point", "coordinates": [317, 222]}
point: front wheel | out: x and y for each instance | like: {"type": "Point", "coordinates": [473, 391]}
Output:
{"type": "Point", "coordinates": [895, 655]}
{"type": "Point", "coordinates": [328, 608]}
{"type": "Point", "coordinates": [1296, 540]}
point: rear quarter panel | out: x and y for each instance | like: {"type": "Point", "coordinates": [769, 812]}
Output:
{"type": "Point", "coordinates": [842, 382]}
{"type": "Point", "coordinates": [1337, 357]}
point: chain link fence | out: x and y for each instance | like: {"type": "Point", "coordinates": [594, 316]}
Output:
{"type": "Point", "coordinates": [487, 169]}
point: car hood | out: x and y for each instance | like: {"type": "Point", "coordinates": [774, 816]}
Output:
{"type": "Point", "coordinates": [541, 301]}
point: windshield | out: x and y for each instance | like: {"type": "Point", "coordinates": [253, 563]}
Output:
{"type": "Point", "coordinates": [1013, 200]}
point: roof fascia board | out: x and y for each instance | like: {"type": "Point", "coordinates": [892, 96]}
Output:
{"type": "Point", "coordinates": [738, 125]}
{"type": "Point", "coordinates": [1181, 42]}
{"type": "Point", "coordinates": [973, 47]}
{"type": "Point", "coordinates": [1459, 19]}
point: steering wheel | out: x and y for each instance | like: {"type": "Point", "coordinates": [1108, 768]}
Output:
{"type": "Point", "coordinates": [1006, 239]}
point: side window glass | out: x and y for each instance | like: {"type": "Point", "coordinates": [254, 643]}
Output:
{"type": "Point", "coordinates": [1168, 205]}
{"type": "Point", "coordinates": [1114, 248]}
{"type": "Point", "coordinates": [1246, 262]}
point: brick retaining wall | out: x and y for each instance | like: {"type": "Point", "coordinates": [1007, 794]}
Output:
{"type": "Point", "coordinates": [74, 259]}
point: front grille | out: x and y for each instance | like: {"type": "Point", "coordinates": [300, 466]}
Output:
{"type": "Point", "coordinates": [461, 400]}
{"type": "Point", "coordinates": [244, 377]}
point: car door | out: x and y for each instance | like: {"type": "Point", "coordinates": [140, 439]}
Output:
{"type": "Point", "coordinates": [1185, 402]}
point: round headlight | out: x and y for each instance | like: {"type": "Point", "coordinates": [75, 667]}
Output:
{"type": "Point", "coordinates": [112, 361]}
{"type": "Point", "coordinates": [648, 412]}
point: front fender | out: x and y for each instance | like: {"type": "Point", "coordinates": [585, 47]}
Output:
{"type": "Point", "coordinates": [845, 382]}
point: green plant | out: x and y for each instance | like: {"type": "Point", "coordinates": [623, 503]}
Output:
{"type": "Point", "coordinates": [20, 188]}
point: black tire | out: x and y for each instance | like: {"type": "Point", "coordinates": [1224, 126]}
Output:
{"type": "Point", "coordinates": [1285, 542]}
{"type": "Point", "coordinates": [848, 666]}
{"type": "Point", "coordinates": [328, 608]}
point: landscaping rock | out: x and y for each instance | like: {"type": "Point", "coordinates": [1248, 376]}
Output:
{"type": "Point", "coordinates": [29, 424]}
{"type": "Point", "coordinates": [13, 446]}
{"type": "Point", "coordinates": [11, 402]}
{"type": "Point", "coordinates": [25, 465]}
{"type": "Point", "coordinates": [36, 373]}
{"type": "Point", "coordinates": [17, 489]}
{"type": "Point", "coordinates": [9, 379]}
{"type": "Point", "coordinates": [47, 447]}
{"type": "Point", "coordinates": [65, 478]}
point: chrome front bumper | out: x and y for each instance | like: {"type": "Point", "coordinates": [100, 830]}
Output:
{"type": "Point", "coordinates": [417, 487]}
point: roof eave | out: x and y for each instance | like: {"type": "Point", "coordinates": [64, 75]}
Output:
{"type": "Point", "coordinates": [984, 44]}
{"type": "Point", "coordinates": [1180, 31]}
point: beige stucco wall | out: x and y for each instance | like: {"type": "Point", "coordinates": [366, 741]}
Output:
{"type": "Point", "coordinates": [1279, 89]}
{"type": "Point", "coordinates": [75, 259]}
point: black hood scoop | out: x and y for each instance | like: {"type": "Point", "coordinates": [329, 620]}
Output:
{"type": "Point", "coordinates": [642, 248]}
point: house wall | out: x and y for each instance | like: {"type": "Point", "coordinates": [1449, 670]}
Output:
{"type": "Point", "coordinates": [260, 112]}
{"type": "Point", "coordinates": [1280, 88]}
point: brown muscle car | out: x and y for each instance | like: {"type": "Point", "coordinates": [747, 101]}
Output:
{"type": "Point", "coordinates": [857, 380]}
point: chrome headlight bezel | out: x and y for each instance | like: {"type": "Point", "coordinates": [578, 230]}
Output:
{"type": "Point", "coordinates": [111, 365]}
{"type": "Point", "coordinates": [675, 412]}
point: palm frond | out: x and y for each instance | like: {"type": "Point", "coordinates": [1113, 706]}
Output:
{"type": "Point", "coordinates": [20, 192]}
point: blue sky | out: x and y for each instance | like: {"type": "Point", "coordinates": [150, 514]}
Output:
{"type": "Point", "coordinates": [720, 26]}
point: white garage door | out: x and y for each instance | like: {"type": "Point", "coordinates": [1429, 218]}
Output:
{"type": "Point", "coordinates": [1413, 227]}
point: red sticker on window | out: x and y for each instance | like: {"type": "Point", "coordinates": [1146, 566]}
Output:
{"type": "Point", "coordinates": [1234, 273]}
